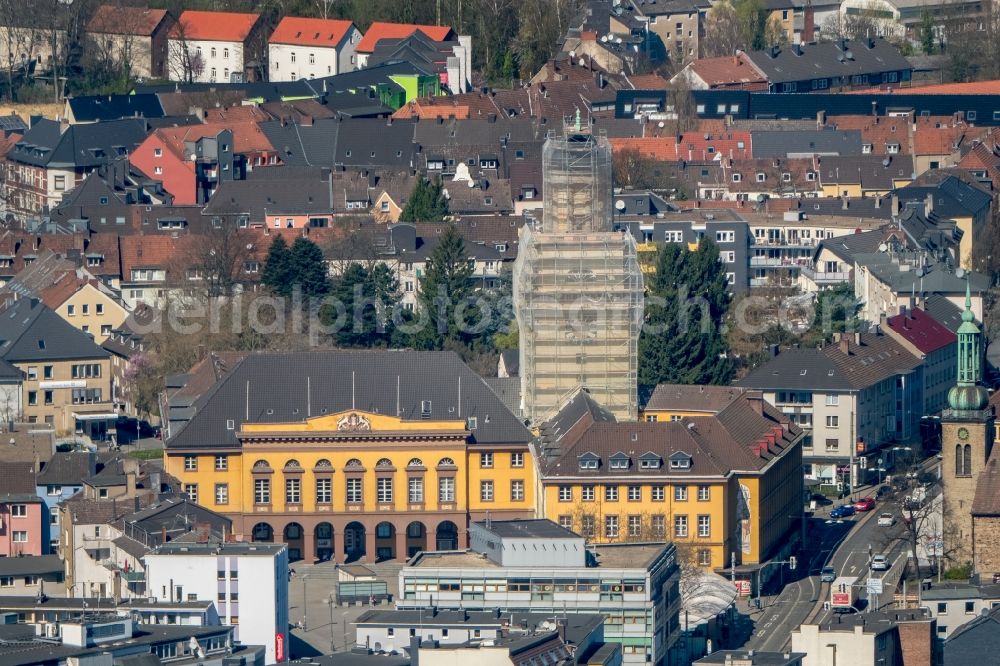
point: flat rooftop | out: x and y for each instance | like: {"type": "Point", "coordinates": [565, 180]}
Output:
{"type": "Point", "coordinates": [813, 219]}
{"type": "Point", "coordinates": [213, 549]}
{"type": "Point", "coordinates": [528, 529]}
{"type": "Point", "coordinates": [617, 556]}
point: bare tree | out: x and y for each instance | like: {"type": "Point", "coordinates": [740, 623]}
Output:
{"type": "Point", "coordinates": [723, 36]}
{"type": "Point", "coordinates": [183, 63]}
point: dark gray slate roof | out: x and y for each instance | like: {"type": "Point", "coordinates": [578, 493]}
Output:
{"type": "Point", "coordinates": [974, 641]}
{"type": "Point", "coordinates": [952, 197]}
{"type": "Point", "coordinates": [849, 246]}
{"type": "Point", "coordinates": [49, 144]}
{"type": "Point", "coordinates": [293, 386]}
{"type": "Point", "coordinates": [798, 370]}
{"type": "Point", "coordinates": [274, 190]}
{"type": "Point", "coordinates": [304, 145]}
{"type": "Point", "coordinates": [94, 108]}
{"type": "Point", "coordinates": [829, 59]}
{"type": "Point", "coordinates": [29, 331]}
{"type": "Point", "coordinates": [772, 143]}
{"type": "Point", "coordinates": [68, 469]}
{"type": "Point", "coordinates": [30, 565]}
{"type": "Point", "coordinates": [528, 529]}
{"type": "Point", "coordinates": [943, 311]}
{"type": "Point", "coordinates": [369, 142]}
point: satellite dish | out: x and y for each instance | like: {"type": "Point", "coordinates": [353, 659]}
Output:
{"type": "Point", "coordinates": [660, 124]}
{"type": "Point", "coordinates": [920, 272]}
{"type": "Point", "coordinates": [883, 247]}
{"type": "Point", "coordinates": [886, 162]}
{"type": "Point", "coordinates": [849, 55]}
{"type": "Point", "coordinates": [583, 63]}
{"type": "Point", "coordinates": [960, 273]}
{"type": "Point", "coordinates": [619, 204]}
{"type": "Point", "coordinates": [761, 198]}
{"type": "Point", "coordinates": [604, 39]}
{"type": "Point", "coordinates": [572, 54]}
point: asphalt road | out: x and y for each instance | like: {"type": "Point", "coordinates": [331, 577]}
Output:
{"type": "Point", "coordinates": [846, 546]}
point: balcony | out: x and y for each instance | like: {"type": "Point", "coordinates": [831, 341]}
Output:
{"type": "Point", "coordinates": [825, 277]}
{"type": "Point", "coordinates": [775, 262]}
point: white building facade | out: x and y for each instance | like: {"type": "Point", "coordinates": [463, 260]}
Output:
{"type": "Point", "coordinates": [303, 48]}
{"type": "Point", "coordinates": [247, 581]}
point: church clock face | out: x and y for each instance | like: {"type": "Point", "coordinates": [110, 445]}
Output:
{"type": "Point", "coordinates": [963, 433]}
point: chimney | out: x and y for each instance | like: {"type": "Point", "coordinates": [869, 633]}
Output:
{"type": "Point", "coordinates": [131, 468]}
{"type": "Point", "coordinates": [845, 345]}
{"type": "Point", "coordinates": [929, 204]}
{"type": "Point", "coordinates": [756, 401]}
{"type": "Point", "coordinates": [895, 205]}
{"type": "Point", "coordinates": [820, 119]}
{"type": "Point", "coordinates": [414, 650]}
{"type": "Point", "coordinates": [857, 338]}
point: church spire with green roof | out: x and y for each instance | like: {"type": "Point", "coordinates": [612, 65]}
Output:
{"type": "Point", "coordinates": [967, 394]}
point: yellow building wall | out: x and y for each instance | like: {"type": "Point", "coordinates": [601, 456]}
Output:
{"type": "Point", "coordinates": [965, 245]}
{"type": "Point", "coordinates": [715, 508]}
{"type": "Point", "coordinates": [667, 415]}
{"type": "Point", "coordinates": [89, 297]}
{"type": "Point", "coordinates": [467, 472]}
{"type": "Point", "coordinates": [59, 412]}
{"type": "Point", "coordinates": [502, 473]}
{"type": "Point", "coordinates": [838, 189]}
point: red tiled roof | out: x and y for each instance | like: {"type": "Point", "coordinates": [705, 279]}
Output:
{"type": "Point", "coordinates": [310, 31]}
{"type": "Point", "coordinates": [152, 252]}
{"type": "Point", "coordinates": [972, 88]}
{"type": "Point", "coordinates": [379, 31]}
{"type": "Point", "coordinates": [418, 109]}
{"type": "Point", "coordinates": [234, 114]}
{"type": "Point", "coordinates": [215, 26]}
{"type": "Point", "coordinates": [663, 148]}
{"type": "Point", "coordinates": [878, 131]}
{"type": "Point", "coordinates": [691, 146]}
{"type": "Point", "coordinates": [648, 82]}
{"type": "Point", "coordinates": [118, 20]}
{"type": "Point", "coordinates": [921, 330]}
{"type": "Point", "coordinates": [247, 137]}
{"type": "Point", "coordinates": [727, 71]}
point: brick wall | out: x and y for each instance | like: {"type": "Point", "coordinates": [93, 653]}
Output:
{"type": "Point", "coordinates": [986, 545]}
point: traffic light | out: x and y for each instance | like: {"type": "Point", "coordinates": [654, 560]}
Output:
{"type": "Point", "coordinates": [792, 562]}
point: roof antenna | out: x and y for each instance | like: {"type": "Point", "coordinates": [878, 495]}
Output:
{"type": "Point", "coordinates": [248, 401]}
{"type": "Point", "coordinates": [460, 396]}
{"type": "Point", "coordinates": [397, 396]}
{"type": "Point", "coordinates": [352, 390]}
{"type": "Point", "coordinates": [308, 397]}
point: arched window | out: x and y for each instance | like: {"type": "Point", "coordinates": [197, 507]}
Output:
{"type": "Point", "coordinates": [354, 462]}
{"type": "Point", "coordinates": [293, 464]}
{"type": "Point", "coordinates": [384, 462]}
{"type": "Point", "coordinates": [415, 462]}
{"type": "Point", "coordinates": [446, 462]}
{"type": "Point", "coordinates": [261, 464]}
{"type": "Point", "coordinates": [958, 461]}
{"type": "Point", "coordinates": [323, 463]}
{"type": "Point", "coordinates": [967, 460]}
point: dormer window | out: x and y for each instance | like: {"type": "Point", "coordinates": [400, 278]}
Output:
{"type": "Point", "coordinates": [680, 461]}
{"type": "Point", "coordinates": [866, 148]}
{"type": "Point", "coordinates": [619, 461]}
{"type": "Point", "coordinates": [589, 461]}
{"type": "Point", "coordinates": [892, 148]}
{"type": "Point", "coordinates": [649, 461]}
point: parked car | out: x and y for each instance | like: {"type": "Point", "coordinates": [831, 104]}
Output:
{"type": "Point", "coordinates": [886, 520]}
{"type": "Point", "coordinates": [821, 500]}
{"type": "Point", "coordinates": [843, 511]}
{"type": "Point", "coordinates": [865, 504]}
{"type": "Point", "coordinates": [882, 492]}
{"type": "Point", "coordinates": [881, 563]}
{"type": "Point", "coordinates": [827, 575]}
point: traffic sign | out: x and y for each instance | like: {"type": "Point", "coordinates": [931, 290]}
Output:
{"type": "Point", "coordinates": [874, 586]}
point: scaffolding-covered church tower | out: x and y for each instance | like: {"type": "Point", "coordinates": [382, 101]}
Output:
{"type": "Point", "coordinates": [577, 286]}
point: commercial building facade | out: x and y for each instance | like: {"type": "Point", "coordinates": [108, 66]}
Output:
{"type": "Point", "coordinates": [536, 566]}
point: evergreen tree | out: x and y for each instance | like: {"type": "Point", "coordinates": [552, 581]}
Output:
{"type": "Point", "coordinates": [369, 296]}
{"type": "Point", "coordinates": [444, 286]}
{"type": "Point", "coordinates": [682, 341]}
{"type": "Point", "coordinates": [308, 268]}
{"type": "Point", "coordinates": [278, 267]}
{"type": "Point", "coordinates": [426, 203]}
{"type": "Point", "coordinates": [927, 32]}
